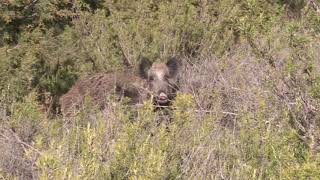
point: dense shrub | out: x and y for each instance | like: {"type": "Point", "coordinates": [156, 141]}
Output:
{"type": "Point", "coordinates": [248, 105]}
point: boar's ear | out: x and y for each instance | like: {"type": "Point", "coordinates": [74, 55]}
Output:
{"type": "Point", "coordinates": [172, 64]}
{"type": "Point", "coordinates": [144, 66]}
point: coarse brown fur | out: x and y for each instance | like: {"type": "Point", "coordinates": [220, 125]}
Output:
{"type": "Point", "coordinates": [157, 80]}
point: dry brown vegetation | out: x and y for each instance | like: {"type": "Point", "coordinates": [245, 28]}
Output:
{"type": "Point", "coordinates": [247, 107]}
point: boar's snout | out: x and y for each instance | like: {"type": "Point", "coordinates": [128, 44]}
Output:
{"type": "Point", "coordinates": [162, 98]}
{"type": "Point", "coordinates": [161, 78]}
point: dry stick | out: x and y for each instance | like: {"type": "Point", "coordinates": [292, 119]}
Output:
{"type": "Point", "coordinates": [29, 5]}
{"type": "Point", "coordinates": [314, 5]}
{"type": "Point", "coordinates": [223, 112]}
{"type": "Point", "coordinates": [261, 53]}
{"type": "Point", "coordinates": [206, 111]}
{"type": "Point", "coordinates": [102, 54]}
{"type": "Point", "coordinates": [18, 140]}
{"type": "Point", "coordinates": [15, 47]}
{"type": "Point", "coordinates": [126, 60]}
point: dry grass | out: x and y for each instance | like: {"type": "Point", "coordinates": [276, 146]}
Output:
{"type": "Point", "coordinates": [247, 108]}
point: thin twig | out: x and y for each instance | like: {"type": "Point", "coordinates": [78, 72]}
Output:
{"type": "Point", "coordinates": [223, 112]}
{"type": "Point", "coordinates": [29, 5]}
{"type": "Point", "coordinates": [314, 5]}
{"type": "Point", "coordinates": [206, 111]}
{"type": "Point", "coordinates": [126, 60]}
{"type": "Point", "coordinates": [18, 140]}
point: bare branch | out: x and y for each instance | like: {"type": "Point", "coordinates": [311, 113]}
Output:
{"type": "Point", "coordinates": [19, 141]}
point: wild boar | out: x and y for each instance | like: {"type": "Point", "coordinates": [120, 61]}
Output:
{"type": "Point", "coordinates": [150, 80]}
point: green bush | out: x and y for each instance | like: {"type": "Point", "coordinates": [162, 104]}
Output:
{"type": "Point", "coordinates": [248, 105]}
